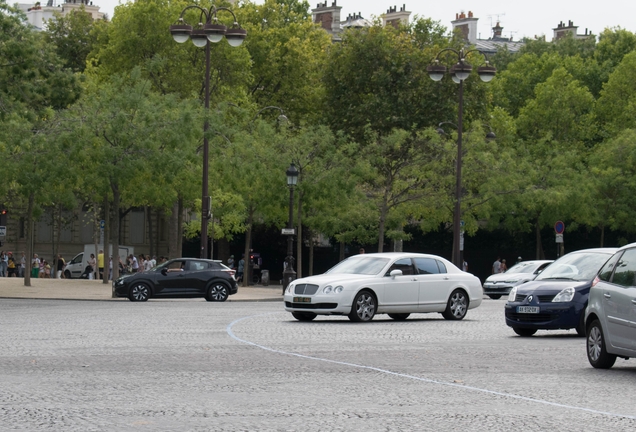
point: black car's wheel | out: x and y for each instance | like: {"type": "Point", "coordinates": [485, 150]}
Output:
{"type": "Point", "coordinates": [525, 332]}
{"type": "Point", "coordinates": [218, 292]}
{"type": "Point", "coordinates": [67, 274]}
{"type": "Point", "coordinates": [304, 316]}
{"type": "Point", "coordinates": [494, 296]}
{"type": "Point", "coordinates": [399, 316]}
{"type": "Point", "coordinates": [457, 305]}
{"type": "Point", "coordinates": [139, 291]}
{"type": "Point", "coordinates": [596, 351]}
{"type": "Point", "coordinates": [363, 308]}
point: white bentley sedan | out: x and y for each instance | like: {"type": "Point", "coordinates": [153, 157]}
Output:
{"type": "Point", "coordinates": [394, 283]}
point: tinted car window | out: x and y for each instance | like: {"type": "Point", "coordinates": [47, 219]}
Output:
{"type": "Point", "coordinates": [426, 265]}
{"type": "Point", "coordinates": [442, 266]}
{"type": "Point", "coordinates": [403, 264]}
{"type": "Point", "coordinates": [606, 272]}
{"type": "Point", "coordinates": [198, 265]}
{"type": "Point", "coordinates": [625, 269]}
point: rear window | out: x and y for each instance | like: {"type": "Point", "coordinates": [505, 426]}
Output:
{"type": "Point", "coordinates": [427, 265]}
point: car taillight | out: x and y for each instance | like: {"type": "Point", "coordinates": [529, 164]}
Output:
{"type": "Point", "coordinates": [595, 281]}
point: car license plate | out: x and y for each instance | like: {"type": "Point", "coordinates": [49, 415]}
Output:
{"type": "Point", "coordinates": [302, 299]}
{"type": "Point", "coordinates": [528, 309]}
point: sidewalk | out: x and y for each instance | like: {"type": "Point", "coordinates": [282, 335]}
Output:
{"type": "Point", "coordinates": [82, 289]}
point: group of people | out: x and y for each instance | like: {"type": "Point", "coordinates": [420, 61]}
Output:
{"type": "Point", "coordinates": [10, 266]}
{"type": "Point", "coordinates": [133, 264]}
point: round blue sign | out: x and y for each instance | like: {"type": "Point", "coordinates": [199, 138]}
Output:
{"type": "Point", "coordinates": [559, 227]}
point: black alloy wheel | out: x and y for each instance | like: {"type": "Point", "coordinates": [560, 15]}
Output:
{"type": "Point", "coordinates": [218, 292]}
{"type": "Point", "coordinates": [139, 291]}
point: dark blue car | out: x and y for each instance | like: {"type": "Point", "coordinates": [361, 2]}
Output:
{"type": "Point", "coordinates": [557, 298]}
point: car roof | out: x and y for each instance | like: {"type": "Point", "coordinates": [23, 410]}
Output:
{"type": "Point", "coordinates": [627, 246]}
{"type": "Point", "coordinates": [393, 255]}
{"type": "Point", "coordinates": [607, 250]}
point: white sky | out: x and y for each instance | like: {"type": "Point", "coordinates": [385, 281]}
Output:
{"type": "Point", "coordinates": [518, 18]}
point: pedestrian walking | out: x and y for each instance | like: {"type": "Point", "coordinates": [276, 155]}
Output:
{"type": "Point", "coordinates": [23, 263]}
{"type": "Point", "coordinates": [503, 267]}
{"type": "Point", "coordinates": [12, 268]}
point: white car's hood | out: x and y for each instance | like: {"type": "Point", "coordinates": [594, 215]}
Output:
{"type": "Point", "coordinates": [509, 277]}
{"type": "Point", "coordinates": [327, 278]}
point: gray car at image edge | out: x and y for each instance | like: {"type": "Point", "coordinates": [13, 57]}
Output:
{"type": "Point", "coordinates": [610, 317]}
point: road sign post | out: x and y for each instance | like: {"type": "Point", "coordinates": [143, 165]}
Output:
{"type": "Point", "coordinates": [559, 228]}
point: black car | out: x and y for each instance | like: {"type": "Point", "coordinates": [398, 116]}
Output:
{"type": "Point", "coordinates": [556, 298]}
{"type": "Point", "coordinates": [180, 277]}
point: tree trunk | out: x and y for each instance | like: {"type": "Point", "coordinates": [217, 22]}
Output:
{"type": "Point", "coordinates": [383, 212]}
{"type": "Point", "coordinates": [311, 252]}
{"type": "Point", "coordinates": [299, 240]}
{"type": "Point", "coordinates": [602, 235]}
{"type": "Point", "coordinates": [96, 235]}
{"type": "Point", "coordinates": [29, 240]}
{"type": "Point", "coordinates": [151, 234]}
{"type": "Point", "coordinates": [246, 253]}
{"type": "Point", "coordinates": [109, 257]}
{"type": "Point", "coordinates": [173, 231]}
{"type": "Point", "coordinates": [342, 251]}
{"type": "Point", "coordinates": [539, 246]}
{"type": "Point", "coordinates": [115, 232]}
{"type": "Point", "coordinates": [179, 250]}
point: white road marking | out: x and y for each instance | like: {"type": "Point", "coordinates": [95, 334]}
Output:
{"type": "Point", "coordinates": [426, 380]}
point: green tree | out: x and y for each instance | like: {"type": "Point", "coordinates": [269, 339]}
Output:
{"type": "Point", "coordinates": [73, 37]}
{"type": "Point", "coordinates": [616, 107]}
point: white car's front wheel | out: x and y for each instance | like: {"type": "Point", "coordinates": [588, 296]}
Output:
{"type": "Point", "coordinates": [363, 308]}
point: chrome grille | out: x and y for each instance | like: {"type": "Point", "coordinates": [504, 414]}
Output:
{"type": "Point", "coordinates": [305, 289]}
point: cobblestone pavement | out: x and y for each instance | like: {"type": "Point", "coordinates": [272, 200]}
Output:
{"type": "Point", "coordinates": [190, 365]}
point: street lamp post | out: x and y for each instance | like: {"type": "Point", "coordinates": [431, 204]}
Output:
{"type": "Point", "coordinates": [289, 274]}
{"type": "Point", "coordinates": [208, 30]}
{"type": "Point", "coordinates": [459, 72]}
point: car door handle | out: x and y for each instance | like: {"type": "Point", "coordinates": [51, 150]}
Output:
{"type": "Point", "coordinates": [414, 279]}
{"type": "Point", "coordinates": [634, 301]}
{"type": "Point", "coordinates": [446, 278]}
{"type": "Point", "coordinates": [607, 295]}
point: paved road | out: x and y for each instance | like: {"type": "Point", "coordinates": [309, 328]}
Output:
{"type": "Point", "coordinates": [190, 365]}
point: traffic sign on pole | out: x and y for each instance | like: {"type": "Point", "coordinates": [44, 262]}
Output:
{"type": "Point", "coordinates": [559, 227]}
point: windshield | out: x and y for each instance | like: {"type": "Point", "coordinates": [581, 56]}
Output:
{"type": "Point", "coordinates": [575, 266]}
{"type": "Point", "coordinates": [523, 267]}
{"type": "Point", "coordinates": [360, 265]}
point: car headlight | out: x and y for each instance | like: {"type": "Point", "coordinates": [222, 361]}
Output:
{"type": "Point", "coordinates": [329, 289]}
{"type": "Point", "coordinates": [513, 294]}
{"type": "Point", "coordinates": [564, 296]}
{"type": "Point", "coordinates": [290, 288]}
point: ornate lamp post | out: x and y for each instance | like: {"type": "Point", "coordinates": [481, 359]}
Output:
{"type": "Point", "coordinates": [289, 274]}
{"type": "Point", "coordinates": [459, 72]}
{"type": "Point", "coordinates": [208, 30]}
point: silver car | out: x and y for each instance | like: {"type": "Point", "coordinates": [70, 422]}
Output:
{"type": "Point", "coordinates": [500, 284]}
{"type": "Point", "coordinates": [610, 317]}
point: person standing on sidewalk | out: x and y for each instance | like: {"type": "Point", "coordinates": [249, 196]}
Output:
{"type": "Point", "coordinates": [60, 267]}
{"type": "Point", "coordinates": [100, 263]}
{"type": "Point", "coordinates": [35, 266]}
{"type": "Point", "coordinates": [3, 264]}
{"type": "Point", "coordinates": [22, 266]}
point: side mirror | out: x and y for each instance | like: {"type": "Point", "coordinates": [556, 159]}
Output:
{"type": "Point", "coordinates": [395, 273]}
{"type": "Point", "coordinates": [164, 271]}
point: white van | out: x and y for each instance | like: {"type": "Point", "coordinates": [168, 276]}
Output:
{"type": "Point", "coordinates": [76, 266]}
